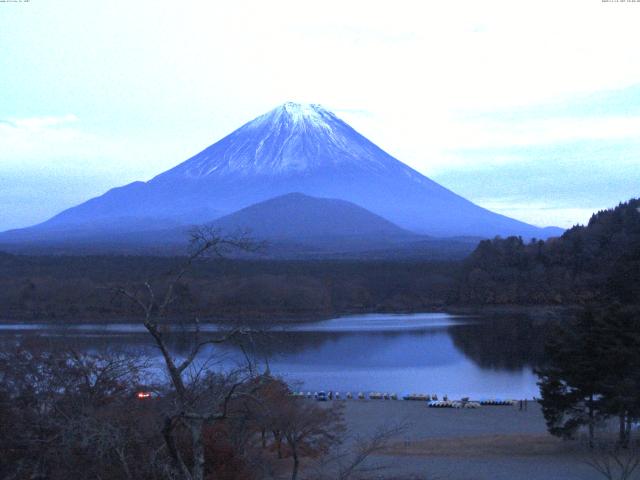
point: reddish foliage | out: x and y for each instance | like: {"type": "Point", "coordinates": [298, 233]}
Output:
{"type": "Point", "coordinates": [222, 461]}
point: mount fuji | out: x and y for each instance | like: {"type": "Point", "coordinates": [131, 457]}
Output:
{"type": "Point", "coordinates": [293, 148]}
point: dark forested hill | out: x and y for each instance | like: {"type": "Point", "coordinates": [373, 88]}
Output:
{"type": "Point", "coordinates": [596, 262]}
{"type": "Point", "coordinates": [298, 217]}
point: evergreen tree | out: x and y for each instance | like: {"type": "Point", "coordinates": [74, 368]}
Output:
{"type": "Point", "coordinates": [570, 382]}
{"type": "Point", "coordinates": [593, 373]}
{"type": "Point", "coordinates": [620, 384]}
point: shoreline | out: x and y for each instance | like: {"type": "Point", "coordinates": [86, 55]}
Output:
{"type": "Point", "coordinates": [495, 443]}
{"type": "Point", "coordinates": [536, 312]}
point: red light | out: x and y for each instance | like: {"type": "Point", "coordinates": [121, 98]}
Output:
{"type": "Point", "coordinates": [143, 395]}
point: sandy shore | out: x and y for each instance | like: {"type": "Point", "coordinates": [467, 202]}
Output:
{"type": "Point", "coordinates": [492, 443]}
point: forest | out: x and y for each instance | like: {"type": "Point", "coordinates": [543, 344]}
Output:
{"type": "Point", "coordinates": [588, 375]}
{"type": "Point", "coordinates": [61, 288]}
{"type": "Point", "coordinates": [598, 261]}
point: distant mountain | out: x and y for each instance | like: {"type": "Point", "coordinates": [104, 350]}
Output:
{"type": "Point", "coordinates": [296, 216]}
{"type": "Point", "coordinates": [299, 225]}
{"type": "Point", "coordinates": [293, 148]}
{"type": "Point", "coordinates": [294, 226]}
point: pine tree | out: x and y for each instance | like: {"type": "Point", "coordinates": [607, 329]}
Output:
{"type": "Point", "coordinates": [593, 373]}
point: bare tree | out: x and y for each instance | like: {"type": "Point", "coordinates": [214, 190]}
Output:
{"type": "Point", "coordinates": [614, 462]}
{"type": "Point", "coordinates": [350, 459]}
{"type": "Point", "coordinates": [364, 448]}
{"type": "Point", "coordinates": [309, 430]}
{"type": "Point", "coordinates": [190, 411]}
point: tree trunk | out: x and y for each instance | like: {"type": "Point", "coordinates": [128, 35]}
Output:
{"type": "Point", "coordinates": [179, 467]}
{"type": "Point", "coordinates": [622, 436]}
{"type": "Point", "coordinates": [197, 445]}
{"type": "Point", "coordinates": [591, 422]}
{"type": "Point", "coordinates": [277, 436]}
{"type": "Point", "coordinates": [296, 463]}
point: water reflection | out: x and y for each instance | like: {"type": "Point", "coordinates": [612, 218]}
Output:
{"type": "Point", "coordinates": [430, 353]}
{"type": "Point", "coordinates": [509, 343]}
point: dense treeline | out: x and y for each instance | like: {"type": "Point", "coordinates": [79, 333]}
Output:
{"type": "Point", "coordinates": [596, 262]}
{"type": "Point", "coordinates": [591, 369]}
{"type": "Point", "coordinates": [588, 263]}
{"type": "Point", "coordinates": [68, 288]}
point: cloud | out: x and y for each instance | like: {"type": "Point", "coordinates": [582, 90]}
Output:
{"type": "Point", "coordinates": [491, 134]}
{"type": "Point", "coordinates": [37, 123]}
{"type": "Point", "coordinates": [543, 214]}
{"type": "Point", "coordinates": [62, 145]}
{"type": "Point", "coordinates": [546, 184]}
{"type": "Point", "coordinates": [39, 137]}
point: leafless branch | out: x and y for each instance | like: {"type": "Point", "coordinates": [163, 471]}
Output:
{"type": "Point", "coordinates": [613, 462]}
{"type": "Point", "coordinates": [191, 413]}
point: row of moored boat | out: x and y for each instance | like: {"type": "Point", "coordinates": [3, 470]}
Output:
{"type": "Point", "coordinates": [432, 400]}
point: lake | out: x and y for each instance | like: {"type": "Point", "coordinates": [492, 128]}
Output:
{"type": "Point", "coordinates": [480, 357]}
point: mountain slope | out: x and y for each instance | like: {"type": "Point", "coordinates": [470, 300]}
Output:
{"type": "Point", "coordinates": [293, 148]}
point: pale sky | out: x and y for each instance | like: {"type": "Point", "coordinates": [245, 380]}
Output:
{"type": "Point", "coordinates": [531, 109]}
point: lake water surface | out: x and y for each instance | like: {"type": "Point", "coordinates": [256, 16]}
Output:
{"type": "Point", "coordinates": [423, 353]}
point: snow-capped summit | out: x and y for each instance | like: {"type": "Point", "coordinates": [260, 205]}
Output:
{"type": "Point", "coordinates": [296, 115]}
{"type": "Point", "coordinates": [312, 112]}
{"type": "Point", "coordinates": [291, 138]}
{"type": "Point", "coordinates": [293, 148]}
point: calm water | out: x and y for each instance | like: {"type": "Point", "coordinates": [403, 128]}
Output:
{"type": "Point", "coordinates": [424, 353]}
